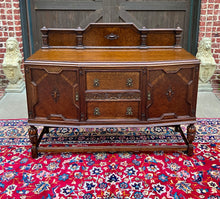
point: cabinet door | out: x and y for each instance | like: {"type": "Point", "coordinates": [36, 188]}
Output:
{"type": "Point", "coordinates": [53, 93]}
{"type": "Point", "coordinates": [171, 92]}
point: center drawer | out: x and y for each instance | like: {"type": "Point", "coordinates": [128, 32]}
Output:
{"type": "Point", "coordinates": [101, 80]}
{"type": "Point", "coordinates": [112, 110]}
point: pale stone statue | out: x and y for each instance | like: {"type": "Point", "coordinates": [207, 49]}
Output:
{"type": "Point", "coordinates": [12, 66]}
{"type": "Point", "coordinates": [208, 64]}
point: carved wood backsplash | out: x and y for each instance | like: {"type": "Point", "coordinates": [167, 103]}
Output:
{"type": "Point", "coordinates": [111, 35]}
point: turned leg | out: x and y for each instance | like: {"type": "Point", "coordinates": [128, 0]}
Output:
{"type": "Point", "coordinates": [191, 132]}
{"type": "Point", "coordinates": [33, 135]}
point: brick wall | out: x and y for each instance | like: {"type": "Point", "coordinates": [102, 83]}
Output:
{"type": "Point", "coordinates": [10, 26]}
{"type": "Point", "coordinates": [210, 27]}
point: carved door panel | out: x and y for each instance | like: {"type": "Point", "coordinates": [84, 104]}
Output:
{"type": "Point", "coordinates": [171, 92]}
{"type": "Point", "coordinates": [53, 93]}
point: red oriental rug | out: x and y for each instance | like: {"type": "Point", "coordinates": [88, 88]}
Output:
{"type": "Point", "coordinates": [156, 175]}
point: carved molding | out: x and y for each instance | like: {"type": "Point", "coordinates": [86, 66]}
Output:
{"type": "Point", "coordinates": [113, 96]}
{"type": "Point", "coordinates": [54, 70]}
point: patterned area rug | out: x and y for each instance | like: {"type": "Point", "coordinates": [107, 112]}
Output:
{"type": "Point", "coordinates": [15, 132]}
{"type": "Point", "coordinates": [109, 175]}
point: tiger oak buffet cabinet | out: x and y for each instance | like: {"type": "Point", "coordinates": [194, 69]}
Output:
{"type": "Point", "coordinates": [111, 74]}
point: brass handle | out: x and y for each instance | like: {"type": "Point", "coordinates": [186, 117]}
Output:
{"type": "Point", "coordinates": [129, 82]}
{"type": "Point", "coordinates": [149, 96]}
{"type": "Point", "coordinates": [96, 111]}
{"type": "Point", "coordinates": [112, 36]}
{"type": "Point", "coordinates": [77, 97]}
{"type": "Point", "coordinates": [129, 111]}
{"type": "Point", "coordinates": [96, 83]}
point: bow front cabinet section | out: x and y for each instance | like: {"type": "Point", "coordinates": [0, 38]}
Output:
{"type": "Point", "coordinates": [111, 75]}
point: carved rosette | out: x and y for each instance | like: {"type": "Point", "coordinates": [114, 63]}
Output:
{"type": "Point", "coordinates": [55, 95]}
{"type": "Point", "coordinates": [169, 94]}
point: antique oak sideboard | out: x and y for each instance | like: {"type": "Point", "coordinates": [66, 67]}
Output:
{"type": "Point", "coordinates": [111, 75]}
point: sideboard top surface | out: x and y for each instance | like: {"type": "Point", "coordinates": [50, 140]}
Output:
{"type": "Point", "coordinates": [112, 56]}
{"type": "Point", "coordinates": [111, 43]}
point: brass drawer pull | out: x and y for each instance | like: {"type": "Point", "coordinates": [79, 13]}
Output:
{"type": "Point", "coordinates": [112, 36]}
{"type": "Point", "coordinates": [129, 111]}
{"type": "Point", "coordinates": [149, 96]}
{"type": "Point", "coordinates": [96, 83]}
{"type": "Point", "coordinates": [129, 82]}
{"type": "Point", "coordinates": [77, 97]}
{"type": "Point", "coordinates": [96, 111]}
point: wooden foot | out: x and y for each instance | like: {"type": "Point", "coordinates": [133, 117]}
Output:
{"type": "Point", "coordinates": [33, 136]}
{"type": "Point", "coordinates": [191, 132]}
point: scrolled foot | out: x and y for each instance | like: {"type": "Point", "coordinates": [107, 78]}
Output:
{"type": "Point", "coordinates": [34, 152]}
{"type": "Point", "coordinates": [190, 150]}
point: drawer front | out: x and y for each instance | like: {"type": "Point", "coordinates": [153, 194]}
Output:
{"type": "Point", "coordinates": [112, 110]}
{"type": "Point", "coordinates": [112, 80]}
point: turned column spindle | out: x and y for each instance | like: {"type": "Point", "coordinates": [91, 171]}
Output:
{"type": "Point", "coordinates": [44, 31]}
